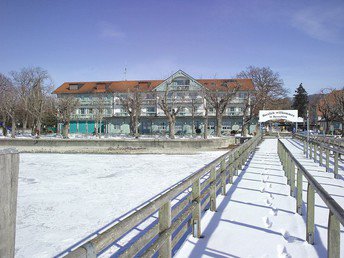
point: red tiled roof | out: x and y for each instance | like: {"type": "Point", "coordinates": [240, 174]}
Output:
{"type": "Point", "coordinates": [148, 85]}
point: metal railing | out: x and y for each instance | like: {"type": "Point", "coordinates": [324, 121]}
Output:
{"type": "Point", "coordinates": [190, 197]}
{"type": "Point", "coordinates": [336, 214]}
{"type": "Point", "coordinates": [329, 147]}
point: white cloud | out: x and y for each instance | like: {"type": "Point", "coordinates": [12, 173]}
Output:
{"type": "Point", "coordinates": [322, 23]}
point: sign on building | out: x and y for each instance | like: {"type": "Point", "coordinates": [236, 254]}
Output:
{"type": "Point", "coordinates": [275, 115]}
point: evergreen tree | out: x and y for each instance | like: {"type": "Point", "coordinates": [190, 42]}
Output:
{"type": "Point", "coordinates": [301, 101]}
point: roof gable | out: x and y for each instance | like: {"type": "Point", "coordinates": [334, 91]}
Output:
{"type": "Point", "coordinates": [172, 82]}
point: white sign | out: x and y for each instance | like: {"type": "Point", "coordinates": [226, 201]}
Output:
{"type": "Point", "coordinates": [275, 115]}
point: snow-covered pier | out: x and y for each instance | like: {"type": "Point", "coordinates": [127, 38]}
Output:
{"type": "Point", "coordinates": [259, 217]}
{"type": "Point", "coordinates": [245, 203]}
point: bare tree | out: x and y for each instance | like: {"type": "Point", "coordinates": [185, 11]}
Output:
{"type": "Point", "coordinates": [99, 108]}
{"type": "Point", "coordinates": [268, 88]}
{"type": "Point", "coordinates": [206, 112]}
{"type": "Point", "coordinates": [23, 81]}
{"type": "Point", "coordinates": [10, 103]}
{"type": "Point", "coordinates": [170, 103]}
{"type": "Point", "coordinates": [132, 103]}
{"type": "Point", "coordinates": [192, 104]}
{"type": "Point", "coordinates": [338, 107]}
{"type": "Point", "coordinates": [219, 98]}
{"type": "Point", "coordinates": [332, 107]}
{"type": "Point", "coordinates": [4, 85]}
{"type": "Point", "coordinates": [35, 85]}
{"type": "Point", "coordinates": [65, 107]}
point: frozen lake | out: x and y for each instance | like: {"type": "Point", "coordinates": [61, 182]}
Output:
{"type": "Point", "coordinates": [62, 198]}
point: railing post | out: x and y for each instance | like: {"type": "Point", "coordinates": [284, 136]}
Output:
{"type": "Point", "coordinates": [335, 170]}
{"type": "Point", "coordinates": [235, 161]}
{"type": "Point", "coordinates": [223, 177]}
{"type": "Point", "coordinates": [315, 152]}
{"type": "Point", "coordinates": [230, 170]}
{"type": "Point", "coordinates": [310, 215]}
{"type": "Point", "coordinates": [239, 161]}
{"type": "Point", "coordinates": [286, 171]}
{"type": "Point", "coordinates": [165, 223]}
{"type": "Point", "coordinates": [213, 189]}
{"type": "Point", "coordinates": [9, 169]}
{"type": "Point", "coordinates": [299, 192]}
{"type": "Point", "coordinates": [320, 154]}
{"type": "Point", "coordinates": [333, 236]}
{"type": "Point", "coordinates": [196, 214]}
{"type": "Point", "coordinates": [327, 160]}
{"type": "Point", "coordinates": [242, 158]}
{"type": "Point", "coordinates": [292, 178]}
{"type": "Point", "coordinates": [310, 150]}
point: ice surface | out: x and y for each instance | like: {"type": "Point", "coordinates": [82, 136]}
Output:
{"type": "Point", "coordinates": [64, 197]}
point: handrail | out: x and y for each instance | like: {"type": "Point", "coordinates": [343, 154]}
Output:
{"type": "Point", "coordinates": [336, 214]}
{"type": "Point", "coordinates": [310, 149]}
{"type": "Point", "coordinates": [326, 142]}
{"type": "Point", "coordinates": [175, 221]}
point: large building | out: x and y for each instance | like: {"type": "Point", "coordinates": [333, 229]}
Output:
{"type": "Point", "coordinates": [183, 91]}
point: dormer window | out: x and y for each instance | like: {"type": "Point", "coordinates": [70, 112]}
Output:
{"type": "Point", "coordinates": [101, 86]}
{"type": "Point", "coordinates": [75, 86]}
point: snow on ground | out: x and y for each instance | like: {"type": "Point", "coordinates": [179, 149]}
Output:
{"type": "Point", "coordinates": [62, 198]}
{"type": "Point", "coordinates": [257, 217]}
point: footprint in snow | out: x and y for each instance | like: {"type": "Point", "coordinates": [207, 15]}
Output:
{"type": "Point", "coordinates": [270, 196]}
{"type": "Point", "coordinates": [267, 222]}
{"type": "Point", "coordinates": [269, 185]}
{"type": "Point", "coordinates": [262, 189]}
{"type": "Point", "coordinates": [268, 202]}
{"type": "Point", "coordinates": [273, 211]}
{"type": "Point", "coordinates": [282, 252]}
{"type": "Point", "coordinates": [285, 234]}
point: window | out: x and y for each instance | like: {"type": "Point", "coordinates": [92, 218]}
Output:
{"type": "Point", "coordinates": [82, 111]}
{"type": "Point", "coordinates": [74, 86]}
{"type": "Point", "coordinates": [242, 95]}
{"type": "Point", "coordinates": [150, 109]}
{"type": "Point", "coordinates": [181, 82]}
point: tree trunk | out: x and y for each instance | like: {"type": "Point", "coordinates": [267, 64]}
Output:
{"type": "Point", "coordinates": [66, 130]}
{"type": "Point", "coordinates": [25, 120]}
{"type": "Point", "coordinates": [136, 126]}
{"type": "Point", "coordinates": [13, 133]}
{"type": "Point", "coordinates": [244, 131]}
{"type": "Point", "coordinates": [38, 128]}
{"type": "Point", "coordinates": [100, 129]}
{"type": "Point", "coordinates": [218, 123]}
{"type": "Point", "coordinates": [96, 128]}
{"type": "Point", "coordinates": [193, 123]}
{"type": "Point", "coordinates": [205, 128]}
{"type": "Point", "coordinates": [132, 125]}
{"type": "Point", "coordinates": [4, 130]}
{"type": "Point", "coordinates": [171, 124]}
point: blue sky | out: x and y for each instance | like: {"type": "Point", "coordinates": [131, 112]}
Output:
{"type": "Point", "coordinates": [96, 40]}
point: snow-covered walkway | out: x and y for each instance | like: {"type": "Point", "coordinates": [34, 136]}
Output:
{"type": "Point", "coordinates": [257, 217]}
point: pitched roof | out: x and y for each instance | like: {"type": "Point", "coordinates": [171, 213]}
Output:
{"type": "Point", "coordinates": [148, 85]}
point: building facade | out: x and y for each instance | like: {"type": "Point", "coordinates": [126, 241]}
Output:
{"type": "Point", "coordinates": [101, 104]}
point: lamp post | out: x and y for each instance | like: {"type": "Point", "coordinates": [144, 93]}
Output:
{"type": "Point", "coordinates": [307, 134]}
